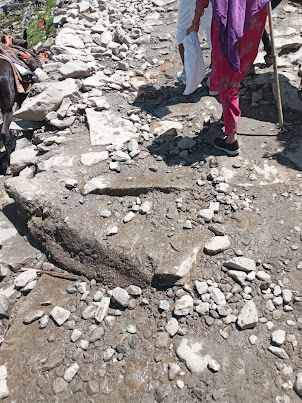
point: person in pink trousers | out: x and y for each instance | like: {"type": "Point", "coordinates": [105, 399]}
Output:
{"type": "Point", "coordinates": [237, 28]}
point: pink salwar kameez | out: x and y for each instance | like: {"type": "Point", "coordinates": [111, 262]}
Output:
{"type": "Point", "coordinates": [223, 77]}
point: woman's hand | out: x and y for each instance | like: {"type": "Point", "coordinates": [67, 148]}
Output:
{"type": "Point", "coordinates": [193, 27]}
{"type": "Point", "coordinates": [195, 24]}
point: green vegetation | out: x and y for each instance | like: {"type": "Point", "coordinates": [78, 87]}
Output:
{"type": "Point", "coordinates": [36, 34]}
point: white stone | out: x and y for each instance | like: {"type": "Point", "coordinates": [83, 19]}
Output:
{"type": "Point", "coordinates": [98, 296]}
{"type": "Point", "coordinates": [128, 217]}
{"type": "Point", "coordinates": [36, 108]}
{"type": "Point", "coordinates": [145, 207]}
{"type": "Point", "coordinates": [108, 354]}
{"type": "Point", "coordinates": [4, 392]}
{"type": "Point", "coordinates": [25, 277]}
{"type": "Point", "coordinates": [241, 263]}
{"type": "Point", "coordinates": [101, 104]}
{"type": "Point", "coordinates": [59, 315]}
{"type": "Point", "coordinates": [217, 244]}
{"type": "Point", "coordinates": [120, 296]}
{"type": "Point", "coordinates": [20, 159]}
{"type": "Point", "coordinates": [217, 296]}
{"type": "Point", "coordinates": [114, 131]}
{"type": "Point", "coordinates": [287, 295]}
{"type": "Point", "coordinates": [206, 214]}
{"type": "Point", "coordinates": [180, 384]}
{"type": "Point", "coordinates": [183, 305]}
{"type": "Point", "coordinates": [71, 372]}
{"type": "Point", "coordinates": [93, 158]}
{"type": "Point", "coordinates": [298, 384]}
{"type": "Point", "coordinates": [173, 371]}
{"type": "Point", "coordinates": [263, 276]}
{"type": "Point", "coordinates": [278, 352]}
{"type": "Point", "coordinates": [75, 69]}
{"type": "Point", "coordinates": [248, 316]}
{"type": "Point", "coordinates": [253, 339]}
{"type": "Point", "coordinates": [3, 372]}
{"type": "Point", "coordinates": [83, 344]}
{"type": "Point", "coordinates": [131, 329]}
{"type": "Point", "coordinates": [75, 335]}
{"type": "Point", "coordinates": [102, 309]}
{"type": "Point", "coordinates": [203, 308]}
{"type": "Point", "coordinates": [134, 290]}
{"type": "Point", "coordinates": [278, 337]}
{"type": "Point", "coordinates": [201, 287]}
{"type": "Point", "coordinates": [172, 327]}
{"type": "Point", "coordinates": [112, 231]}
{"type": "Point", "coordinates": [213, 366]}
{"type": "Point", "coordinates": [190, 352]}
{"type": "Point", "coordinates": [165, 127]}
{"type": "Point", "coordinates": [67, 38]}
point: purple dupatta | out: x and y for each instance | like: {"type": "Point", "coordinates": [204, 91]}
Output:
{"type": "Point", "coordinates": [233, 18]}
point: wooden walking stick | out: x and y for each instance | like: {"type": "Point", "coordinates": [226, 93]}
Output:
{"type": "Point", "coordinates": [279, 103]}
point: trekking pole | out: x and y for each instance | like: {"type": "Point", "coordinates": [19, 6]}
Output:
{"type": "Point", "coordinates": [279, 103]}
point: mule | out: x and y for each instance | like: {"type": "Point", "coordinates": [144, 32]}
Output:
{"type": "Point", "coordinates": [8, 97]}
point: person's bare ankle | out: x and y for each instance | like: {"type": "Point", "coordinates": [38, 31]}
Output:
{"type": "Point", "coordinates": [231, 138]}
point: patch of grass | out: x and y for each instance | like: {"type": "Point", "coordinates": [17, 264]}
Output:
{"type": "Point", "coordinates": [35, 34]}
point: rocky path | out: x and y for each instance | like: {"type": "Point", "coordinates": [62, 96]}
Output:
{"type": "Point", "coordinates": [187, 264]}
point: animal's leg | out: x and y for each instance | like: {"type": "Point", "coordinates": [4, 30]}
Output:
{"type": "Point", "coordinates": [7, 118]}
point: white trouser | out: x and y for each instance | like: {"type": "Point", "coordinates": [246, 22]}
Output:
{"type": "Point", "coordinates": [186, 12]}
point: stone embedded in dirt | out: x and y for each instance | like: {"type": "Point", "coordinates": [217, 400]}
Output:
{"type": "Point", "coordinates": [32, 317]}
{"type": "Point", "coordinates": [164, 305]}
{"type": "Point", "coordinates": [241, 263]}
{"type": "Point", "coordinates": [134, 290]}
{"type": "Point", "coordinates": [166, 128]}
{"type": "Point", "coordinates": [4, 392]}
{"type": "Point", "coordinates": [115, 130]}
{"type": "Point", "coordinates": [59, 385]}
{"type": "Point", "coordinates": [278, 352]}
{"type": "Point", "coordinates": [253, 339]}
{"type": "Point", "coordinates": [213, 365]}
{"type": "Point", "coordinates": [24, 278]}
{"type": "Point", "coordinates": [98, 296]}
{"type": "Point", "coordinates": [75, 335]}
{"type": "Point", "coordinates": [238, 276]}
{"type": "Point", "coordinates": [112, 231]}
{"type": "Point", "coordinates": [172, 327]}
{"type": "Point", "coordinates": [190, 352]}
{"type": "Point", "coordinates": [206, 214]}
{"type": "Point", "coordinates": [93, 387]}
{"type": "Point", "coordinates": [89, 312]}
{"type": "Point", "coordinates": [263, 276]}
{"type": "Point", "coordinates": [278, 337]}
{"type": "Point", "coordinates": [108, 354]}
{"type": "Point", "coordinates": [162, 340]}
{"type": "Point", "coordinates": [97, 334]}
{"type": "Point", "coordinates": [298, 384]}
{"type": "Point", "coordinates": [43, 322]}
{"type": "Point", "coordinates": [183, 306]}
{"type": "Point", "coordinates": [173, 370]}
{"type": "Point", "coordinates": [217, 229]}
{"type": "Point", "coordinates": [201, 287]}
{"type": "Point", "coordinates": [4, 306]}
{"type": "Point", "coordinates": [217, 296]}
{"type": "Point", "coordinates": [102, 309]}
{"type": "Point", "coordinates": [71, 183]}
{"type": "Point", "coordinates": [145, 207]}
{"type": "Point", "coordinates": [217, 244]}
{"type": "Point", "coordinates": [287, 295]}
{"type": "Point", "coordinates": [59, 315]}
{"type": "Point", "coordinates": [248, 316]}
{"type": "Point", "coordinates": [120, 296]}
{"type": "Point", "coordinates": [71, 372]}
{"type": "Point", "coordinates": [83, 344]}
{"type": "Point", "coordinates": [128, 217]}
